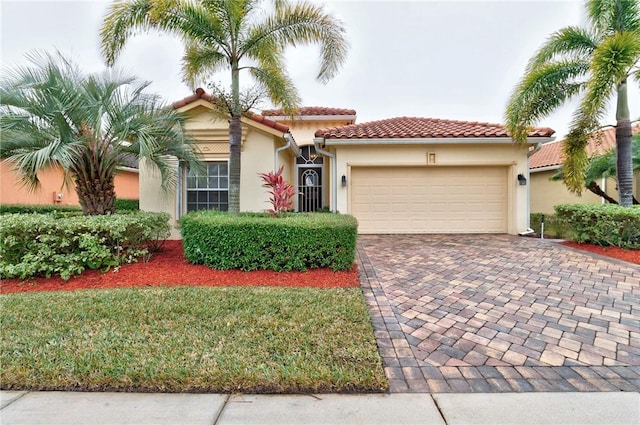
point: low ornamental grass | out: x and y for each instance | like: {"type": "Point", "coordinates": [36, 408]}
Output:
{"type": "Point", "coordinates": [190, 339]}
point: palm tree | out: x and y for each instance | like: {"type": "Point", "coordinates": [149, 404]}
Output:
{"type": "Point", "coordinates": [595, 63]}
{"type": "Point", "coordinates": [53, 115]}
{"type": "Point", "coordinates": [234, 35]}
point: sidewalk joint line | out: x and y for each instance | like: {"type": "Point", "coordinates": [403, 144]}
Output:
{"type": "Point", "coordinates": [15, 399]}
{"type": "Point", "coordinates": [439, 409]}
{"type": "Point", "coordinates": [224, 405]}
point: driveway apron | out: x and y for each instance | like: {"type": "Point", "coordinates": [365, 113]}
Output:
{"type": "Point", "coordinates": [500, 313]}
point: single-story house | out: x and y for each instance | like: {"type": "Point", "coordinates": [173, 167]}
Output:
{"type": "Point", "coordinates": [51, 189]}
{"type": "Point", "coordinates": [547, 161]}
{"type": "Point", "coordinates": [400, 175]}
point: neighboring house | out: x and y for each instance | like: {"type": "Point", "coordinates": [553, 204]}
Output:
{"type": "Point", "coordinates": [547, 161]}
{"type": "Point", "coordinates": [52, 190]}
{"type": "Point", "coordinates": [401, 175]}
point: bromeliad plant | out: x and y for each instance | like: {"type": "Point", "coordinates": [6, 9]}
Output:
{"type": "Point", "coordinates": [281, 192]}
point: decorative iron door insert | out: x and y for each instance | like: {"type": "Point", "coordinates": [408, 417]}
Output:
{"type": "Point", "coordinates": [309, 189]}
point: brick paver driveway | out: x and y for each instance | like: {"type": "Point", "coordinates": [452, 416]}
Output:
{"type": "Point", "coordinates": [497, 313]}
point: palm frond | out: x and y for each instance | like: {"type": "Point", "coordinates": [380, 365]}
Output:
{"type": "Point", "coordinates": [301, 24]}
{"type": "Point", "coordinates": [122, 20]}
{"type": "Point", "coordinates": [575, 158]}
{"type": "Point", "coordinates": [540, 92]}
{"type": "Point", "coordinates": [278, 86]}
{"type": "Point", "coordinates": [610, 66]}
{"type": "Point", "coordinates": [611, 16]}
{"type": "Point", "coordinates": [566, 44]}
{"type": "Point", "coordinates": [201, 60]}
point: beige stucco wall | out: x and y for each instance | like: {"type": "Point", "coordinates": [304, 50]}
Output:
{"type": "Point", "coordinates": [257, 157]}
{"type": "Point", "coordinates": [512, 156]}
{"type": "Point", "coordinates": [304, 131]}
{"type": "Point", "coordinates": [156, 197]}
{"type": "Point", "coordinates": [545, 194]}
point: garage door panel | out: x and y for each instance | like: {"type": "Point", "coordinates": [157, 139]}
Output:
{"type": "Point", "coordinates": [429, 200]}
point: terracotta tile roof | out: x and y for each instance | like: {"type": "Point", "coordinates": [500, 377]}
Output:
{"type": "Point", "coordinates": [310, 111]}
{"type": "Point", "coordinates": [201, 94]}
{"type": "Point", "coordinates": [411, 127]}
{"type": "Point", "coordinates": [550, 154]}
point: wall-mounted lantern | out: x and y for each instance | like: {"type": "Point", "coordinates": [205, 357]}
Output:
{"type": "Point", "coordinates": [344, 180]}
{"type": "Point", "coordinates": [522, 180]}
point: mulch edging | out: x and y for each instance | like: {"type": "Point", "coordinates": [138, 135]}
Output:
{"type": "Point", "coordinates": [168, 267]}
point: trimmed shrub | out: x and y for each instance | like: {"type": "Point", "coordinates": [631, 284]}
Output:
{"type": "Point", "coordinates": [121, 205]}
{"type": "Point", "coordinates": [48, 244]}
{"type": "Point", "coordinates": [554, 227]}
{"type": "Point", "coordinates": [256, 241]}
{"type": "Point", "coordinates": [127, 204]}
{"type": "Point", "coordinates": [37, 209]}
{"type": "Point", "coordinates": [605, 225]}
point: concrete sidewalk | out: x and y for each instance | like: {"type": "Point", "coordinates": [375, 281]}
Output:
{"type": "Point", "coordinates": [21, 407]}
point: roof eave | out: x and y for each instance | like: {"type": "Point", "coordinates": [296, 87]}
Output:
{"type": "Point", "coordinates": [129, 169]}
{"type": "Point", "coordinates": [194, 104]}
{"type": "Point", "coordinates": [430, 141]}
{"type": "Point", "coordinates": [312, 117]}
{"type": "Point", "coordinates": [545, 168]}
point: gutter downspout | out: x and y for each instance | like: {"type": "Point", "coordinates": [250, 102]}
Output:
{"type": "Point", "coordinates": [334, 172]}
{"type": "Point", "coordinates": [290, 144]}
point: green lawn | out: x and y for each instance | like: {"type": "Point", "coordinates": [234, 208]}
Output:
{"type": "Point", "coordinates": [233, 339]}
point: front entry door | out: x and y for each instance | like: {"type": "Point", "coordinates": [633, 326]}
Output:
{"type": "Point", "coordinates": [309, 189]}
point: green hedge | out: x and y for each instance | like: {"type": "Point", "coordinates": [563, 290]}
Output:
{"type": "Point", "coordinates": [606, 225]}
{"type": "Point", "coordinates": [51, 244]}
{"type": "Point", "coordinates": [121, 205]}
{"type": "Point", "coordinates": [256, 241]}
{"type": "Point", "coordinates": [127, 204]}
{"type": "Point", "coordinates": [37, 209]}
{"type": "Point", "coordinates": [554, 226]}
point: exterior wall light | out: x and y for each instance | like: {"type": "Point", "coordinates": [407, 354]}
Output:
{"type": "Point", "coordinates": [522, 180]}
{"type": "Point", "coordinates": [344, 180]}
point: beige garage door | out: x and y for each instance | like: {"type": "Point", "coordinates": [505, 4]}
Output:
{"type": "Point", "coordinates": [429, 200]}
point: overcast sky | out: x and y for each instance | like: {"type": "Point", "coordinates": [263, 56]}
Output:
{"type": "Point", "coordinates": [440, 59]}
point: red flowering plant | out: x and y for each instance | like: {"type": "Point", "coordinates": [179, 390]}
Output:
{"type": "Point", "coordinates": [281, 192]}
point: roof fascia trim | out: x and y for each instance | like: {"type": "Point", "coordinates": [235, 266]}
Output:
{"type": "Point", "coordinates": [546, 168]}
{"type": "Point", "coordinates": [311, 117]}
{"type": "Point", "coordinates": [431, 141]}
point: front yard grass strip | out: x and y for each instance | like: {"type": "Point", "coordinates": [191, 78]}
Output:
{"type": "Point", "coordinates": [190, 339]}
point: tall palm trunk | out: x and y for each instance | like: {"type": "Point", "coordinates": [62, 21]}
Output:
{"type": "Point", "coordinates": [235, 137]}
{"type": "Point", "coordinates": [623, 148]}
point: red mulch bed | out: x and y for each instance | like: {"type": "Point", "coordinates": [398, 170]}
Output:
{"type": "Point", "coordinates": [630, 255]}
{"type": "Point", "coordinates": [169, 268]}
